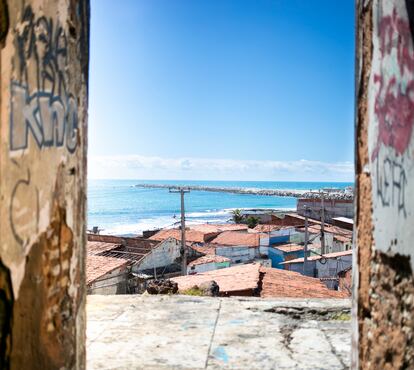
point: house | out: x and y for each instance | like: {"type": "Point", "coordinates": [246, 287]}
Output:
{"type": "Point", "coordinates": [208, 262]}
{"type": "Point", "coordinates": [240, 247]}
{"type": "Point", "coordinates": [255, 280]}
{"type": "Point", "coordinates": [284, 252]}
{"type": "Point", "coordinates": [325, 267]}
{"type": "Point", "coordinates": [337, 239]}
{"type": "Point", "coordinates": [111, 260]}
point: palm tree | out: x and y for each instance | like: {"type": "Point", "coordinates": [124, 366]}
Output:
{"type": "Point", "coordinates": [252, 222]}
{"type": "Point", "coordinates": [237, 216]}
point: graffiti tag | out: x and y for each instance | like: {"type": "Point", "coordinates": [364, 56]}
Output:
{"type": "Point", "coordinates": [41, 105]}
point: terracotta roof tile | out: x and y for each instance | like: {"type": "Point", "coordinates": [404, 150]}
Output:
{"type": "Point", "coordinates": [283, 283]}
{"type": "Point", "coordinates": [94, 248]}
{"type": "Point", "coordinates": [231, 279]}
{"type": "Point", "coordinates": [275, 282]}
{"type": "Point", "coordinates": [193, 236]}
{"type": "Point", "coordinates": [98, 266]}
{"type": "Point", "coordinates": [204, 249]}
{"type": "Point", "coordinates": [209, 258]}
{"type": "Point", "coordinates": [265, 228]}
{"type": "Point", "coordinates": [237, 238]}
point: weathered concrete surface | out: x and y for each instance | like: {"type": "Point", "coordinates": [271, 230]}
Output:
{"type": "Point", "coordinates": [183, 332]}
{"type": "Point", "coordinates": [384, 186]}
{"type": "Point", "coordinates": [44, 52]}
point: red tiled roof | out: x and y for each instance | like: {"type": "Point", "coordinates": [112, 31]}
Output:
{"type": "Point", "coordinates": [231, 279]}
{"type": "Point", "coordinates": [265, 228]}
{"type": "Point", "coordinates": [275, 282]}
{"type": "Point", "coordinates": [98, 266]}
{"type": "Point", "coordinates": [209, 258]}
{"type": "Point", "coordinates": [283, 283]}
{"type": "Point", "coordinates": [315, 258]}
{"type": "Point", "coordinates": [204, 249]}
{"type": "Point", "coordinates": [194, 236]}
{"type": "Point", "coordinates": [94, 248]}
{"type": "Point", "coordinates": [289, 247]}
{"type": "Point", "coordinates": [237, 238]}
{"type": "Point", "coordinates": [104, 257]}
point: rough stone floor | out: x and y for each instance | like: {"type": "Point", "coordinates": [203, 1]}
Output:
{"type": "Point", "coordinates": [184, 332]}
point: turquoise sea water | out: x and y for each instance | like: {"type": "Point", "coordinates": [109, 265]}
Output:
{"type": "Point", "coordinates": [120, 208]}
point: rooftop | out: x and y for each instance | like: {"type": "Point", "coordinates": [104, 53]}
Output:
{"type": "Point", "coordinates": [291, 247]}
{"type": "Point", "coordinates": [252, 279]}
{"type": "Point", "coordinates": [315, 258]}
{"type": "Point", "coordinates": [335, 230]}
{"type": "Point", "coordinates": [218, 228]}
{"type": "Point", "coordinates": [230, 280]}
{"type": "Point", "coordinates": [194, 236]}
{"type": "Point", "coordinates": [344, 219]}
{"type": "Point", "coordinates": [209, 258]}
{"type": "Point", "coordinates": [237, 238]}
{"type": "Point", "coordinates": [183, 332]}
{"type": "Point", "coordinates": [283, 283]}
{"type": "Point", "coordinates": [105, 253]}
{"type": "Point", "coordinates": [98, 266]}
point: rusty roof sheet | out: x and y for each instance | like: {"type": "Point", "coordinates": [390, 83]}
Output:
{"type": "Point", "coordinates": [209, 258]}
{"type": "Point", "coordinates": [237, 238]}
{"type": "Point", "coordinates": [283, 283]}
{"type": "Point", "coordinates": [315, 258]}
{"type": "Point", "coordinates": [230, 279]}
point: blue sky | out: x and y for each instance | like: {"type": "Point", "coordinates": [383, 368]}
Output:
{"type": "Point", "coordinates": [222, 89]}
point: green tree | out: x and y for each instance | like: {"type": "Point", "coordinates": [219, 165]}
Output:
{"type": "Point", "coordinates": [252, 222]}
{"type": "Point", "coordinates": [237, 216]}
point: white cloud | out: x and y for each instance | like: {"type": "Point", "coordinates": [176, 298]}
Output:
{"type": "Point", "coordinates": [145, 167]}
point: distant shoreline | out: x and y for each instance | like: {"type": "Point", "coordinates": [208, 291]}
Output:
{"type": "Point", "coordinates": [308, 194]}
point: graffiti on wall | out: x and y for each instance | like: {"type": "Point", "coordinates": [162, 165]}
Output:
{"type": "Point", "coordinates": [41, 104]}
{"type": "Point", "coordinates": [391, 107]}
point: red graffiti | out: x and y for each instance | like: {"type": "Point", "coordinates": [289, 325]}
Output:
{"type": "Point", "coordinates": [395, 31]}
{"type": "Point", "coordinates": [394, 103]}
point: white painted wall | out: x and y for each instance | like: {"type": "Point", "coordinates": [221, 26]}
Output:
{"type": "Point", "coordinates": [113, 282]}
{"type": "Point", "coordinates": [164, 254]}
{"type": "Point", "coordinates": [238, 254]}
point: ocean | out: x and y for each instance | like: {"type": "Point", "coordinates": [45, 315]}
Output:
{"type": "Point", "coordinates": [119, 208]}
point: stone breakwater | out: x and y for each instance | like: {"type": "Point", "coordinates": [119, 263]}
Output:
{"type": "Point", "coordinates": [308, 194]}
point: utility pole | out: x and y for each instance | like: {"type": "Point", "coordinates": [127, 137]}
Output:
{"type": "Point", "coordinates": [305, 246]}
{"type": "Point", "coordinates": [183, 251]}
{"type": "Point", "coordinates": [323, 251]}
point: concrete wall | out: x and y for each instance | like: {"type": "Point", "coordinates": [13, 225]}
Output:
{"type": "Point", "coordinates": [114, 282]}
{"type": "Point", "coordinates": [207, 267]}
{"type": "Point", "coordinates": [44, 52]}
{"type": "Point", "coordinates": [164, 254]}
{"type": "Point", "coordinates": [384, 282]}
{"type": "Point", "coordinates": [238, 254]}
{"type": "Point", "coordinates": [331, 268]}
{"type": "Point", "coordinates": [333, 208]}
